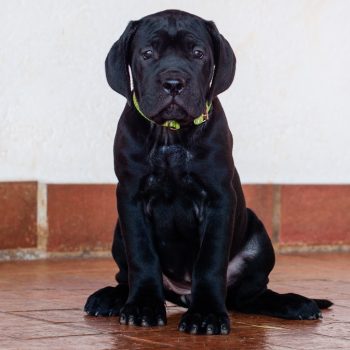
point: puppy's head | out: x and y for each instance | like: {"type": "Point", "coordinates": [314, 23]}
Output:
{"type": "Point", "coordinates": [178, 62]}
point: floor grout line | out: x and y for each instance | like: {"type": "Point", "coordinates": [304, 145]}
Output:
{"type": "Point", "coordinates": [59, 336]}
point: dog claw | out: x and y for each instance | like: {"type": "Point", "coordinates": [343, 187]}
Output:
{"type": "Point", "coordinates": [160, 322]}
{"type": "Point", "coordinates": [210, 330]}
{"type": "Point", "coordinates": [122, 319]}
{"type": "Point", "coordinates": [194, 329]}
{"type": "Point", "coordinates": [144, 322]}
{"type": "Point", "coordinates": [223, 329]}
{"type": "Point", "coordinates": [182, 327]}
{"type": "Point", "coordinates": [131, 321]}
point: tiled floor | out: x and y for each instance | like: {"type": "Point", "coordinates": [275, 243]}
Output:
{"type": "Point", "coordinates": [41, 308]}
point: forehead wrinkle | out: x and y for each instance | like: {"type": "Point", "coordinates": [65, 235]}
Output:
{"type": "Point", "coordinates": [148, 29]}
{"type": "Point", "coordinates": [172, 28]}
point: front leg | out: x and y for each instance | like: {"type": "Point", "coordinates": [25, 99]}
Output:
{"type": "Point", "coordinates": [145, 303]}
{"type": "Point", "coordinates": [207, 313]}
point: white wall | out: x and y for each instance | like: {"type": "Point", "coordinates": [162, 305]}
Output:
{"type": "Point", "coordinates": [289, 106]}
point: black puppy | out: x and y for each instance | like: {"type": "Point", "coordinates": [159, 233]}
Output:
{"type": "Point", "coordinates": [184, 233]}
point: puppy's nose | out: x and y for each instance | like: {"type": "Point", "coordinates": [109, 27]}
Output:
{"type": "Point", "coordinates": [173, 86]}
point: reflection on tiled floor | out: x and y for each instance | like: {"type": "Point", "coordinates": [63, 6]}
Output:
{"type": "Point", "coordinates": [41, 308]}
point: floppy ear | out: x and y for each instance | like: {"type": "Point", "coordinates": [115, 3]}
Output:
{"type": "Point", "coordinates": [224, 60]}
{"type": "Point", "coordinates": [117, 63]}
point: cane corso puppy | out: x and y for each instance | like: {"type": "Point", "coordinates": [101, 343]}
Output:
{"type": "Point", "coordinates": [184, 233]}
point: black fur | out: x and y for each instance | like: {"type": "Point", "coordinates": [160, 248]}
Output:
{"type": "Point", "coordinates": [184, 232]}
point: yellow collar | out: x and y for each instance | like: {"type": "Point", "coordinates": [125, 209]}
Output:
{"type": "Point", "coordinates": [173, 124]}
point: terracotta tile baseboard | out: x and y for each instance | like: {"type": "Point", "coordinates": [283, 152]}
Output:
{"type": "Point", "coordinates": [49, 220]}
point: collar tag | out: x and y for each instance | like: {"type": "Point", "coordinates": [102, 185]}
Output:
{"type": "Point", "coordinates": [172, 124]}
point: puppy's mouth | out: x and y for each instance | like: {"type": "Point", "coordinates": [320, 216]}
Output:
{"type": "Point", "coordinates": [172, 111]}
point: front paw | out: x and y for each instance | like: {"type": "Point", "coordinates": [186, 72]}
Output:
{"type": "Point", "coordinates": [197, 322]}
{"type": "Point", "coordinates": [144, 313]}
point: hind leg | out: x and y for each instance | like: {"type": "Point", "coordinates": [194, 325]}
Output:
{"type": "Point", "coordinates": [249, 293]}
{"type": "Point", "coordinates": [108, 301]}
{"type": "Point", "coordinates": [289, 306]}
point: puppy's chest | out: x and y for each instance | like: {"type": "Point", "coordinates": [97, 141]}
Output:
{"type": "Point", "coordinates": [171, 175]}
{"type": "Point", "coordinates": [172, 158]}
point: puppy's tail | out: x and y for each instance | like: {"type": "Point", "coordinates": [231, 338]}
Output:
{"type": "Point", "coordinates": [323, 303]}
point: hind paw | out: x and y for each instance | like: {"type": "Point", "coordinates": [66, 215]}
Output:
{"type": "Point", "coordinates": [106, 301]}
{"type": "Point", "coordinates": [288, 306]}
{"type": "Point", "coordinates": [301, 308]}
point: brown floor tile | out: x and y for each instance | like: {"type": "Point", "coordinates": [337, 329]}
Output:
{"type": "Point", "coordinates": [20, 327]}
{"type": "Point", "coordinates": [335, 329]}
{"type": "Point", "coordinates": [41, 308]}
{"type": "Point", "coordinates": [86, 342]}
{"type": "Point", "coordinates": [306, 342]}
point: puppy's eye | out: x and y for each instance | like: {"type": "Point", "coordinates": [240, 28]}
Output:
{"type": "Point", "coordinates": [198, 53]}
{"type": "Point", "coordinates": [147, 54]}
